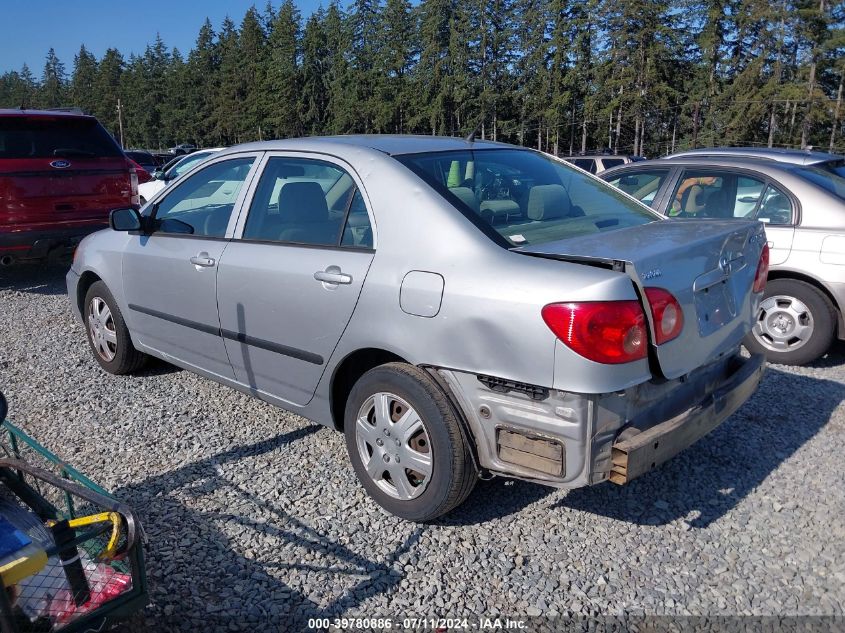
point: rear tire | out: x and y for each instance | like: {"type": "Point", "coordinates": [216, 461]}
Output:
{"type": "Point", "coordinates": [108, 336]}
{"type": "Point", "coordinates": [411, 458]}
{"type": "Point", "coordinates": [795, 325]}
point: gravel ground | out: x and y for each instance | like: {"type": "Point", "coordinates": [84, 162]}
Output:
{"type": "Point", "coordinates": [255, 518]}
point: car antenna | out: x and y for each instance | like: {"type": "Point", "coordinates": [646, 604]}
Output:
{"type": "Point", "coordinates": [470, 138]}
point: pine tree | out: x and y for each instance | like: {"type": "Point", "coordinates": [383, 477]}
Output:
{"type": "Point", "coordinates": [53, 82]}
{"type": "Point", "coordinates": [283, 83]}
{"type": "Point", "coordinates": [393, 63]}
{"type": "Point", "coordinates": [363, 31]}
{"type": "Point", "coordinates": [107, 85]}
{"type": "Point", "coordinates": [202, 78]}
{"type": "Point", "coordinates": [252, 68]}
{"type": "Point", "coordinates": [432, 103]}
{"type": "Point", "coordinates": [84, 74]}
{"type": "Point", "coordinates": [227, 106]}
{"type": "Point", "coordinates": [315, 74]}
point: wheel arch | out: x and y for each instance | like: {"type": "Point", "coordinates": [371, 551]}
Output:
{"type": "Point", "coordinates": [86, 280]}
{"type": "Point", "coordinates": [812, 281]}
{"type": "Point", "coordinates": [349, 370]}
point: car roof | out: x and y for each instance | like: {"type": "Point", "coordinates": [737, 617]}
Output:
{"type": "Point", "coordinates": [590, 156]}
{"type": "Point", "coordinates": [21, 112]}
{"type": "Point", "coordinates": [391, 144]}
{"type": "Point", "coordinates": [767, 166]}
{"type": "Point", "coordinates": [796, 156]}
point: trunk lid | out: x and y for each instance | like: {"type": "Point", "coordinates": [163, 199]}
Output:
{"type": "Point", "coordinates": [709, 267]}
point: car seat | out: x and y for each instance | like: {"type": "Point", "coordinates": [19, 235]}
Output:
{"type": "Point", "coordinates": [467, 196]}
{"type": "Point", "coordinates": [717, 205]}
{"type": "Point", "coordinates": [304, 215]}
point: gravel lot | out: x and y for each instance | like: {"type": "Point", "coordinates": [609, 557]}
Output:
{"type": "Point", "coordinates": [254, 515]}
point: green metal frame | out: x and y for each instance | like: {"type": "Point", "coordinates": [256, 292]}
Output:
{"type": "Point", "coordinates": [16, 479]}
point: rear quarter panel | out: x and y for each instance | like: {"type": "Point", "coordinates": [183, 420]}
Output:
{"type": "Point", "coordinates": [489, 321]}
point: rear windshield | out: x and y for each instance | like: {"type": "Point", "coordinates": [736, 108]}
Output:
{"type": "Point", "coordinates": [835, 166]}
{"type": "Point", "coordinates": [824, 179]}
{"type": "Point", "coordinates": [521, 197]}
{"type": "Point", "coordinates": [66, 137]}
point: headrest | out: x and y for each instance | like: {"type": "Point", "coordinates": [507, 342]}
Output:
{"type": "Point", "coordinates": [301, 202]}
{"type": "Point", "coordinates": [467, 196]}
{"type": "Point", "coordinates": [547, 202]}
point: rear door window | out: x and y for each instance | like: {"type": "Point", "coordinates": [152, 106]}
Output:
{"type": "Point", "coordinates": [46, 137]}
{"type": "Point", "coordinates": [308, 201]}
{"type": "Point", "coordinates": [642, 185]}
{"type": "Point", "coordinates": [706, 193]}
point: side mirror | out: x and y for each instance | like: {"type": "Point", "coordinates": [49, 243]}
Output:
{"type": "Point", "coordinates": [127, 219]}
{"type": "Point", "coordinates": [158, 175]}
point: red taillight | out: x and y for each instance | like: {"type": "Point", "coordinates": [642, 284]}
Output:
{"type": "Point", "coordinates": [135, 196]}
{"type": "Point", "coordinates": [666, 313]}
{"type": "Point", "coordinates": [609, 332]}
{"type": "Point", "coordinates": [762, 271]}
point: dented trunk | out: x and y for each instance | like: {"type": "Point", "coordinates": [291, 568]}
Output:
{"type": "Point", "coordinates": [709, 267]}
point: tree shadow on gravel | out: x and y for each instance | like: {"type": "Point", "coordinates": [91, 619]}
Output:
{"type": "Point", "coordinates": [39, 279]}
{"type": "Point", "coordinates": [202, 579]}
{"type": "Point", "coordinates": [715, 474]}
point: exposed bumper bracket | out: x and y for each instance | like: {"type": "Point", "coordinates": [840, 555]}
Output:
{"type": "Point", "coordinates": [637, 455]}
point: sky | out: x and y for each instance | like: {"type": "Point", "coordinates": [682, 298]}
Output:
{"type": "Point", "coordinates": [31, 27]}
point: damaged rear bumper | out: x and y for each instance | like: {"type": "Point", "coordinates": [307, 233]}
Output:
{"type": "Point", "coordinates": [641, 451]}
{"type": "Point", "coordinates": [569, 440]}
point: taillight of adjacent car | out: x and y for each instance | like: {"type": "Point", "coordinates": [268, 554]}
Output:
{"type": "Point", "coordinates": [615, 332]}
{"type": "Point", "coordinates": [135, 196]}
{"type": "Point", "coordinates": [610, 332]}
{"type": "Point", "coordinates": [762, 271]}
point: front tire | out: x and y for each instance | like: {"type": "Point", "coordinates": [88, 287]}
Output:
{"type": "Point", "coordinates": [405, 443]}
{"type": "Point", "coordinates": [795, 324]}
{"type": "Point", "coordinates": [107, 333]}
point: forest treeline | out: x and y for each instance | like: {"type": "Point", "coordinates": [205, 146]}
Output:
{"type": "Point", "coordinates": [637, 76]}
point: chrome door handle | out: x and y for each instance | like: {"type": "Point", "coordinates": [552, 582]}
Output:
{"type": "Point", "coordinates": [202, 259]}
{"type": "Point", "coordinates": [332, 275]}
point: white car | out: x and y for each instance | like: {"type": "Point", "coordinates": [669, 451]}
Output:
{"type": "Point", "coordinates": [171, 171]}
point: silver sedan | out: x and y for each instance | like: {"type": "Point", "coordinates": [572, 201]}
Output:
{"type": "Point", "coordinates": [456, 308]}
{"type": "Point", "coordinates": [803, 208]}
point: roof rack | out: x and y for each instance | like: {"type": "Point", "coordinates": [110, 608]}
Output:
{"type": "Point", "coordinates": [69, 109]}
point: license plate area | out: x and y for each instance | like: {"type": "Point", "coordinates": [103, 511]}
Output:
{"type": "Point", "coordinates": [715, 307]}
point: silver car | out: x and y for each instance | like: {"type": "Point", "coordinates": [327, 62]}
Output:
{"type": "Point", "coordinates": [803, 208]}
{"type": "Point", "coordinates": [457, 308]}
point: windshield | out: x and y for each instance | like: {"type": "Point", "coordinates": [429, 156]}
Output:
{"type": "Point", "coordinates": [825, 179]}
{"type": "Point", "coordinates": [524, 196]}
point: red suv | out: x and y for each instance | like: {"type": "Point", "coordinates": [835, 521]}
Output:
{"type": "Point", "coordinates": [60, 175]}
